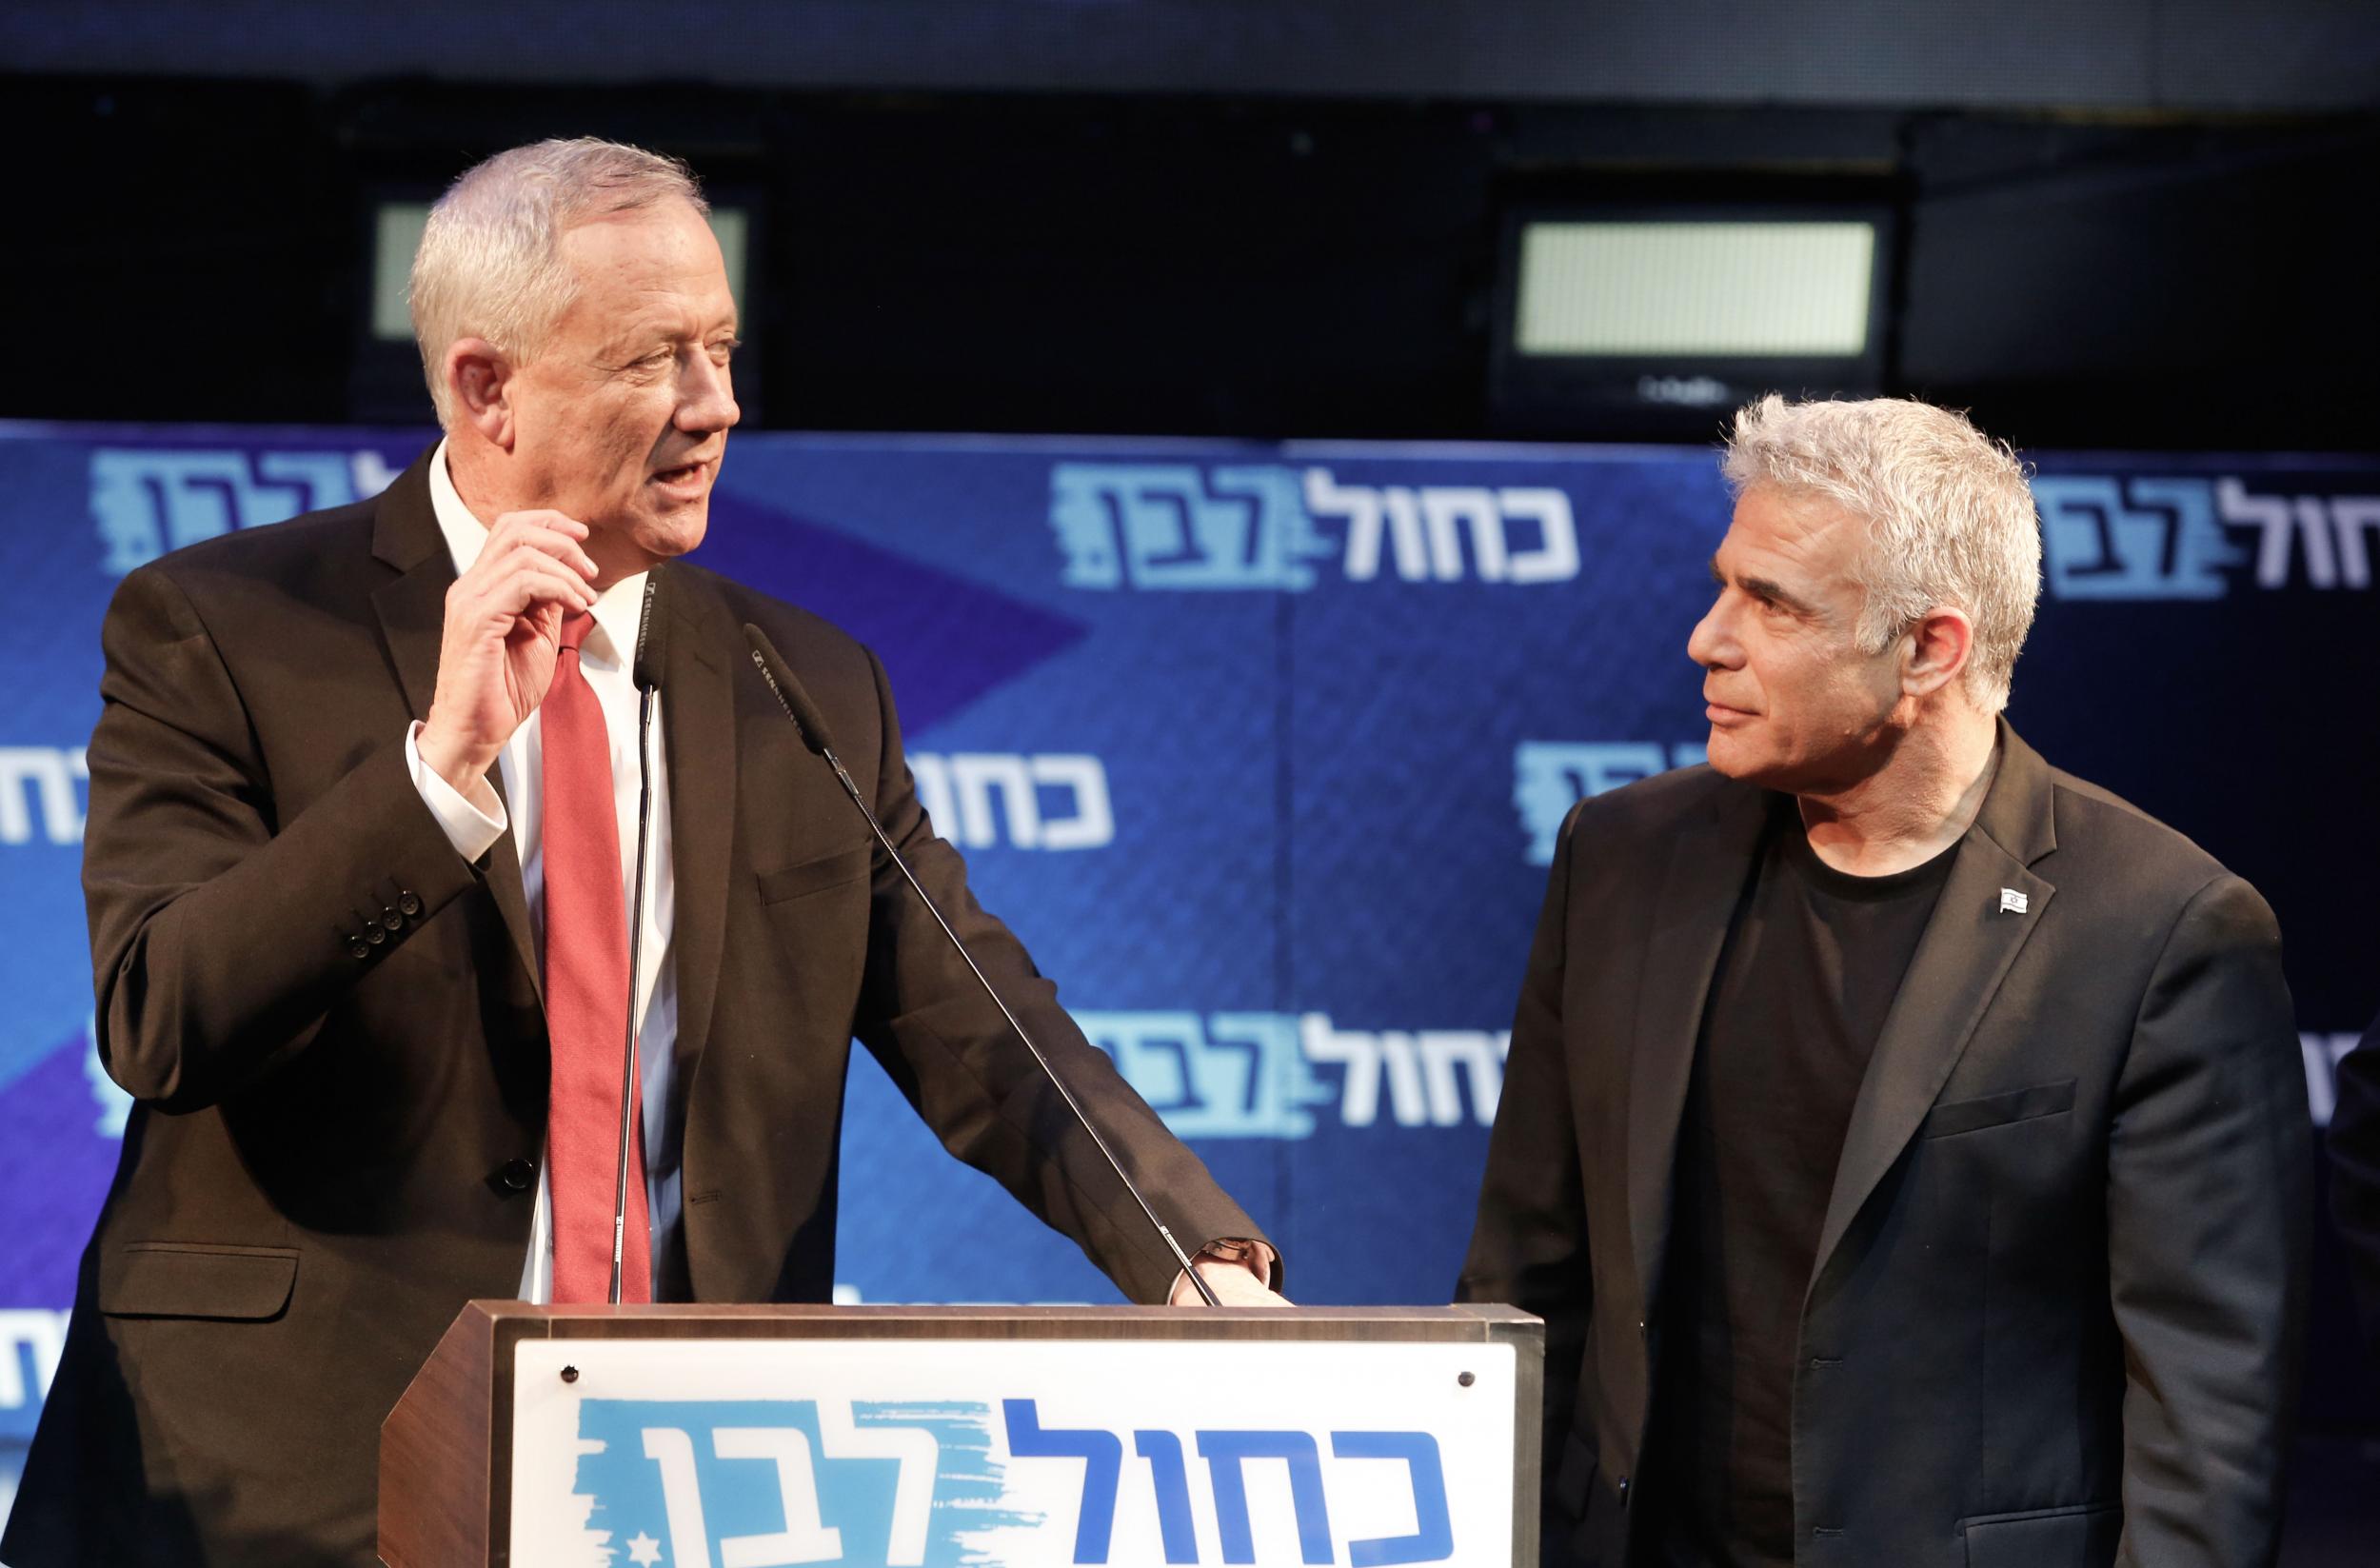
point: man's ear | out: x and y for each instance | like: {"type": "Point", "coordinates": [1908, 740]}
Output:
{"type": "Point", "coordinates": [1937, 649]}
{"type": "Point", "coordinates": [478, 379]}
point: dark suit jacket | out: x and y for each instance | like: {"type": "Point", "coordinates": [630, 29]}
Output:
{"type": "Point", "coordinates": [329, 1153]}
{"type": "Point", "coordinates": [2356, 1175]}
{"type": "Point", "coordinates": [2057, 1290]}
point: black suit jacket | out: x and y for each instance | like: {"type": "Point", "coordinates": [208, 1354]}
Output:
{"type": "Point", "coordinates": [2053, 1315]}
{"type": "Point", "coordinates": [2356, 1175]}
{"type": "Point", "coordinates": [333, 1025]}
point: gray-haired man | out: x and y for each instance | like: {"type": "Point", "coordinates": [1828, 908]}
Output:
{"type": "Point", "coordinates": [362, 801]}
{"type": "Point", "coordinates": [1904, 1141]}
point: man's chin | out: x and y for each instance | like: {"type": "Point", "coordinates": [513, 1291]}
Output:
{"type": "Point", "coordinates": [1730, 758]}
{"type": "Point", "coordinates": [675, 530]}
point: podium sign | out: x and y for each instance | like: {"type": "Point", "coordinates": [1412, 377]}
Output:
{"type": "Point", "coordinates": [933, 1437]}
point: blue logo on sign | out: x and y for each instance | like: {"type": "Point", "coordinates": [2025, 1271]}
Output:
{"type": "Point", "coordinates": [1227, 1455]}
{"type": "Point", "coordinates": [1252, 1075]}
{"type": "Point", "coordinates": [728, 1484]}
{"type": "Point", "coordinates": [2179, 538]}
{"type": "Point", "coordinates": [2134, 539]}
{"type": "Point", "coordinates": [1233, 1075]}
{"type": "Point", "coordinates": [146, 502]}
{"type": "Point", "coordinates": [1157, 526]}
{"type": "Point", "coordinates": [1549, 777]}
{"type": "Point", "coordinates": [1176, 525]}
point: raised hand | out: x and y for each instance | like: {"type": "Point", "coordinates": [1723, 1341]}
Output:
{"type": "Point", "coordinates": [502, 633]}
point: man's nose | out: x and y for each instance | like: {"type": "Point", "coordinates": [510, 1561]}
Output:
{"type": "Point", "coordinates": [707, 398]}
{"type": "Point", "coordinates": [1711, 644]}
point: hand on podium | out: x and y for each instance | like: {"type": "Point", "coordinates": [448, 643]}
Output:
{"type": "Point", "coordinates": [1238, 1272]}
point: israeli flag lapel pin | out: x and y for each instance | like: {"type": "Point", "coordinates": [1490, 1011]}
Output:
{"type": "Point", "coordinates": [2012, 901]}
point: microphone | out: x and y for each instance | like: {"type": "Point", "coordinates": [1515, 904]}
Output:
{"type": "Point", "coordinates": [652, 632]}
{"type": "Point", "coordinates": [805, 713]}
{"type": "Point", "coordinates": [812, 726]}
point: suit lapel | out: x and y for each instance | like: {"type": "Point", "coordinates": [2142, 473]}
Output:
{"type": "Point", "coordinates": [699, 740]}
{"type": "Point", "coordinates": [1966, 951]}
{"type": "Point", "coordinates": [1707, 865]}
{"type": "Point", "coordinates": [412, 610]}
{"type": "Point", "coordinates": [411, 606]}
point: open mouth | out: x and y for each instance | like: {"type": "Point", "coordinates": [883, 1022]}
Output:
{"type": "Point", "coordinates": [688, 474]}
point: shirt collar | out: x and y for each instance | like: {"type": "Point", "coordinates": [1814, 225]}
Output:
{"type": "Point", "coordinates": [617, 608]}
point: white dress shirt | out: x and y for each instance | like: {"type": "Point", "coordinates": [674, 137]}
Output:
{"type": "Point", "coordinates": [604, 660]}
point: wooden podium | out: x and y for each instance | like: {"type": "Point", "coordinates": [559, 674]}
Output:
{"type": "Point", "coordinates": [750, 1437]}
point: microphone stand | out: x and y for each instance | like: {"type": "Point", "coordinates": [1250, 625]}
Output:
{"type": "Point", "coordinates": [648, 678]}
{"type": "Point", "coordinates": [812, 726]}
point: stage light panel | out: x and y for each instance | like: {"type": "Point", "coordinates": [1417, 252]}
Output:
{"type": "Point", "coordinates": [1631, 289]}
{"type": "Point", "coordinates": [397, 233]}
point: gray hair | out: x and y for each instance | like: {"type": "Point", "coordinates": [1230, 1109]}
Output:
{"type": "Point", "coordinates": [1949, 515]}
{"type": "Point", "coordinates": [489, 263]}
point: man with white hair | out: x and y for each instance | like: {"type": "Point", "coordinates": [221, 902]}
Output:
{"type": "Point", "coordinates": [1904, 1141]}
{"type": "Point", "coordinates": [363, 815]}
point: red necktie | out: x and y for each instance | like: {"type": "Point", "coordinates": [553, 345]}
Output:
{"type": "Point", "coordinates": [587, 994]}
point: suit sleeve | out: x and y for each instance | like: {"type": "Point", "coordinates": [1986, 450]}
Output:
{"type": "Point", "coordinates": [954, 1058]}
{"type": "Point", "coordinates": [2356, 1175]}
{"type": "Point", "coordinates": [221, 935]}
{"type": "Point", "coordinates": [2209, 1222]}
{"type": "Point", "coordinates": [1528, 1243]}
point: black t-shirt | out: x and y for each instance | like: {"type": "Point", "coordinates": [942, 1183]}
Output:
{"type": "Point", "coordinates": [1813, 961]}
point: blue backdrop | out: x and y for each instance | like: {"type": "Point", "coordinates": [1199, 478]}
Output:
{"type": "Point", "coordinates": [1261, 749]}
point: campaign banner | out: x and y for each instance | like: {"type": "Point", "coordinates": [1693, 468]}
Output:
{"type": "Point", "coordinates": [935, 1453]}
{"type": "Point", "coordinates": [1261, 749]}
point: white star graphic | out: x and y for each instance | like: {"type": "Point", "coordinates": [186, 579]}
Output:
{"type": "Point", "coordinates": [643, 1550]}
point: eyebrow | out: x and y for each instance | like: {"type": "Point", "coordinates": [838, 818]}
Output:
{"type": "Point", "coordinates": [637, 333]}
{"type": "Point", "coordinates": [1762, 587]}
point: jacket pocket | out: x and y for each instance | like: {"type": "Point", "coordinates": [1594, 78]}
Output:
{"type": "Point", "coordinates": [1995, 1110]}
{"type": "Point", "coordinates": [2082, 1536]}
{"type": "Point", "coordinates": [197, 1280]}
{"type": "Point", "coordinates": [815, 876]}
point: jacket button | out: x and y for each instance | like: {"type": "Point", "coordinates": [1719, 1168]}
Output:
{"type": "Point", "coordinates": [390, 919]}
{"type": "Point", "coordinates": [374, 935]}
{"type": "Point", "coordinates": [517, 1174]}
{"type": "Point", "coordinates": [410, 903]}
{"type": "Point", "coordinates": [356, 950]}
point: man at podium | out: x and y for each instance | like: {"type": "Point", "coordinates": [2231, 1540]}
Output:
{"type": "Point", "coordinates": [361, 868]}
